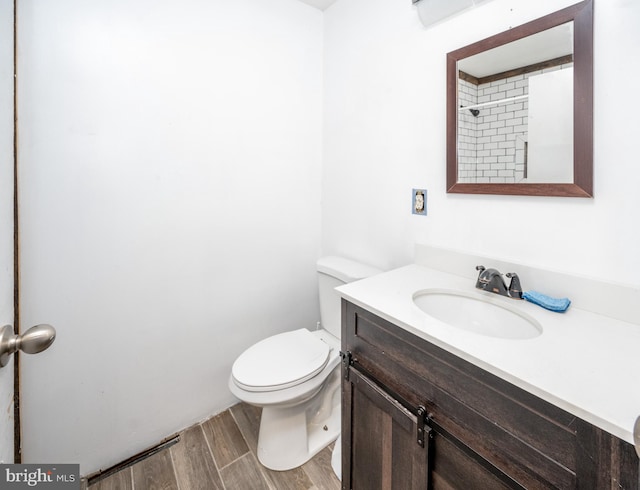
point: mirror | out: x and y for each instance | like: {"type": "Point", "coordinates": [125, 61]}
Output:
{"type": "Point", "coordinates": [520, 109]}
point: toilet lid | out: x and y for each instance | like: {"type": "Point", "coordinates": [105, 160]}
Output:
{"type": "Point", "coordinates": [281, 361]}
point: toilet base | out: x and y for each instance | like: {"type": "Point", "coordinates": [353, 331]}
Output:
{"type": "Point", "coordinates": [336, 458]}
{"type": "Point", "coordinates": [291, 436]}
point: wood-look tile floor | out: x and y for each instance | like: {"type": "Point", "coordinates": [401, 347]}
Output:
{"type": "Point", "coordinates": [220, 453]}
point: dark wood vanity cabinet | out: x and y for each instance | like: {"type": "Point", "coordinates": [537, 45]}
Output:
{"type": "Point", "coordinates": [416, 416]}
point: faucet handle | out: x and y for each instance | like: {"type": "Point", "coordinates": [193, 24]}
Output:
{"type": "Point", "coordinates": [480, 269]}
{"type": "Point", "coordinates": [515, 289]}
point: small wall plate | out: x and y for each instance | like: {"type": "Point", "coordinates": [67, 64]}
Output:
{"type": "Point", "coordinates": [419, 202]}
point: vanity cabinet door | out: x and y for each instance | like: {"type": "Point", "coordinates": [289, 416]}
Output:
{"type": "Point", "coordinates": [380, 439]}
{"type": "Point", "coordinates": [455, 465]}
{"type": "Point", "coordinates": [393, 446]}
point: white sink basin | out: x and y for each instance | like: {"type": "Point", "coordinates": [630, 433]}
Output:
{"type": "Point", "coordinates": [477, 313]}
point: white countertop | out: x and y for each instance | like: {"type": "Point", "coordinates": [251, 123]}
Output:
{"type": "Point", "coordinates": [583, 362]}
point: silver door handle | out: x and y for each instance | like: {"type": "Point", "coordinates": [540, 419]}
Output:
{"type": "Point", "coordinates": [34, 340]}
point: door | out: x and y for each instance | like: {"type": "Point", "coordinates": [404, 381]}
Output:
{"type": "Point", "coordinates": [163, 150]}
{"type": "Point", "coordinates": [6, 220]}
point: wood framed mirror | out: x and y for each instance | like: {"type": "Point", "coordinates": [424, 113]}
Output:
{"type": "Point", "coordinates": [520, 109]}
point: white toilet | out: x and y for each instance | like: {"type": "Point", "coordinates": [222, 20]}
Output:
{"type": "Point", "coordinates": [295, 377]}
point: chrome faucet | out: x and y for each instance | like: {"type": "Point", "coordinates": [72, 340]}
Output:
{"type": "Point", "coordinates": [515, 289]}
{"type": "Point", "coordinates": [491, 280]}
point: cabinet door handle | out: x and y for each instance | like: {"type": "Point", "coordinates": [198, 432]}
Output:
{"type": "Point", "coordinates": [425, 440]}
{"type": "Point", "coordinates": [347, 362]}
{"type": "Point", "coordinates": [424, 431]}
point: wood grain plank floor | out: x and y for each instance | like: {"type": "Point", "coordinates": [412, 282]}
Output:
{"type": "Point", "coordinates": [225, 439]}
{"type": "Point", "coordinates": [247, 418]}
{"type": "Point", "coordinates": [244, 473]}
{"type": "Point", "coordinates": [123, 480]}
{"type": "Point", "coordinates": [220, 453]}
{"type": "Point", "coordinates": [155, 473]}
{"type": "Point", "coordinates": [195, 468]}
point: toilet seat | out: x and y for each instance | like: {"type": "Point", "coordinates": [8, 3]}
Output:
{"type": "Point", "coordinates": [281, 361]}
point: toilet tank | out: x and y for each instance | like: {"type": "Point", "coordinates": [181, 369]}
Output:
{"type": "Point", "coordinates": [333, 272]}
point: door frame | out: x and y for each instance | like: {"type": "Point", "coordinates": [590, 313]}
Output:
{"type": "Point", "coordinates": [17, 455]}
{"type": "Point", "coordinates": [8, 262]}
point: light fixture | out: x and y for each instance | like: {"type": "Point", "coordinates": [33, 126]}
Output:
{"type": "Point", "coordinates": [433, 11]}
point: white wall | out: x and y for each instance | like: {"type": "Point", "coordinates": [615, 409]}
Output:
{"type": "Point", "coordinates": [6, 220]}
{"type": "Point", "coordinates": [384, 134]}
{"type": "Point", "coordinates": [170, 168]}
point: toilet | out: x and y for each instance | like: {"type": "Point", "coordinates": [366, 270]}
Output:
{"type": "Point", "coordinates": [295, 377]}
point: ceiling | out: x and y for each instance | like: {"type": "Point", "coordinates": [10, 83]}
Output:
{"type": "Point", "coordinates": [320, 4]}
{"type": "Point", "coordinates": [545, 45]}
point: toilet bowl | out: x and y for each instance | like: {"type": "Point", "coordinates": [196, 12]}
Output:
{"type": "Point", "coordinates": [295, 378]}
{"type": "Point", "coordinates": [300, 412]}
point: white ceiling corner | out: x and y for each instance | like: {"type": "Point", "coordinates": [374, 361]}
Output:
{"type": "Point", "coordinates": [319, 4]}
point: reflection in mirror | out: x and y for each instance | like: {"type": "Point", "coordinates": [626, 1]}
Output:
{"type": "Point", "coordinates": [520, 109]}
{"type": "Point", "coordinates": [515, 120]}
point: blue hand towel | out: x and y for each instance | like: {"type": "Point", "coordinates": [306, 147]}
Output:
{"type": "Point", "coordinates": [559, 305]}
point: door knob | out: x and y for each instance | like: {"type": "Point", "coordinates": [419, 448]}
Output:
{"type": "Point", "coordinates": [34, 340]}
